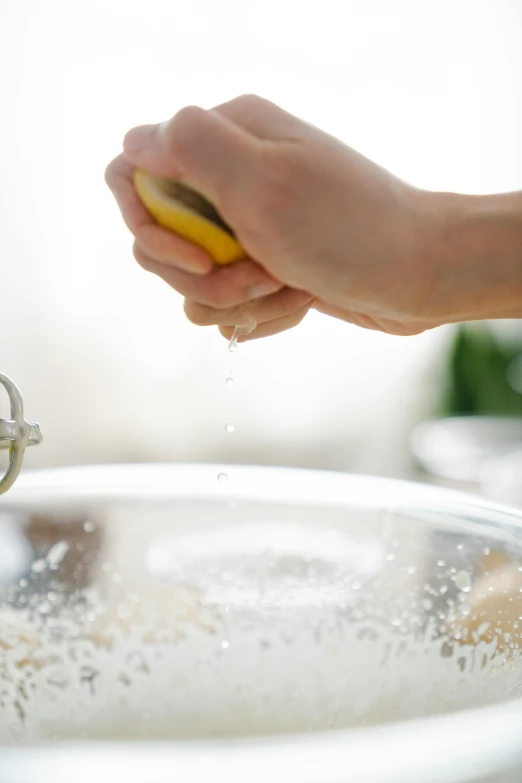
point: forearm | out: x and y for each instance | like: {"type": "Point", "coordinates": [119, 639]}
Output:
{"type": "Point", "coordinates": [478, 255]}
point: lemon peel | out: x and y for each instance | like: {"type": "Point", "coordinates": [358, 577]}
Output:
{"type": "Point", "coordinates": [179, 208]}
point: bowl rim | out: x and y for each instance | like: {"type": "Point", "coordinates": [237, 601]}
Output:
{"type": "Point", "coordinates": [454, 746]}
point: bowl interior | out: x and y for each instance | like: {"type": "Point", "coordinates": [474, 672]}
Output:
{"type": "Point", "coordinates": [278, 602]}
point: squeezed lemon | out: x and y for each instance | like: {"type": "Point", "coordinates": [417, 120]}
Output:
{"type": "Point", "coordinates": [186, 212]}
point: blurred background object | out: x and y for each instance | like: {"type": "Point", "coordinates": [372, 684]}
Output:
{"type": "Point", "coordinates": [476, 439]}
{"type": "Point", "coordinates": [102, 351]}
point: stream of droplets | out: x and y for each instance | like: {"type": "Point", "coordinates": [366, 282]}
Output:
{"type": "Point", "coordinates": [230, 427]}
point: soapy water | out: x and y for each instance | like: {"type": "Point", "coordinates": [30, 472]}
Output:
{"type": "Point", "coordinates": [228, 674]}
{"type": "Point", "coordinates": [234, 637]}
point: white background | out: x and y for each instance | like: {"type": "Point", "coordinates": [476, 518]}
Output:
{"type": "Point", "coordinates": [102, 352]}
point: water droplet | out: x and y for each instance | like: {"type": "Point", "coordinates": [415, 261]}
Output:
{"type": "Point", "coordinates": [135, 661]}
{"type": "Point", "coordinates": [89, 526]}
{"type": "Point", "coordinates": [222, 477]}
{"type": "Point", "coordinates": [58, 679]}
{"type": "Point", "coordinates": [23, 582]}
{"type": "Point", "coordinates": [225, 644]}
{"type": "Point", "coordinates": [463, 581]}
{"type": "Point", "coordinates": [464, 609]}
{"type": "Point", "coordinates": [38, 566]}
{"type": "Point", "coordinates": [56, 554]}
{"type": "Point", "coordinates": [239, 331]}
{"type": "Point", "coordinates": [229, 381]}
{"type": "Point", "coordinates": [487, 550]}
{"type": "Point", "coordinates": [460, 547]}
{"type": "Point", "coordinates": [390, 557]}
{"type": "Point", "coordinates": [230, 427]}
{"type": "Point", "coordinates": [441, 563]}
{"type": "Point", "coordinates": [44, 607]}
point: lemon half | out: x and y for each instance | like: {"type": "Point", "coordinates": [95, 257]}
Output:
{"type": "Point", "coordinates": [178, 208]}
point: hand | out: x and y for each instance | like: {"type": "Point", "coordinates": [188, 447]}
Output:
{"type": "Point", "coordinates": [327, 228]}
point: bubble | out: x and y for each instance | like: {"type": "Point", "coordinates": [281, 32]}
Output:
{"type": "Point", "coordinates": [58, 679]}
{"type": "Point", "coordinates": [56, 554]}
{"type": "Point", "coordinates": [222, 478]}
{"type": "Point", "coordinates": [463, 581]}
{"type": "Point", "coordinates": [89, 526]}
{"type": "Point", "coordinates": [229, 381]}
{"type": "Point", "coordinates": [225, 644]}
{"type": "Point", "coordinates": [135, 661]}
{"type": "Point", "coordinates": [229, 427]}
{"type": "Point", "coordinates": [38, 566]}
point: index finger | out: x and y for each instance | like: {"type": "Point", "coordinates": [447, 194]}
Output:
{"type": "Point", "coordinates": [160, 244]}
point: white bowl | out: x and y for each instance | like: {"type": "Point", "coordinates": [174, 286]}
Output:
{"type": "Point", "coordinates": [279, 625]}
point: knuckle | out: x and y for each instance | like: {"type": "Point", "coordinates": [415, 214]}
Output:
{"type": "Point", "coordinates": [297, 317]}
{"type": "Point", "coordinates": [194, 313]}
{"type": "Point", "coordinates": [249, 100]}
{"type": "Point", "coordinates": [182, 128]}
{"type": "Point", "coordinates": [247, 107]}
{"type": "Point", "coordinates": [110, 174]}
{"type": "Point", "coordinates": [143, 260]}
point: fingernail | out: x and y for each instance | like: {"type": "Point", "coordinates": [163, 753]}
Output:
{"type": "Point", "coordinates": [265, 288]}
{"type": "Point", "coordinates": [138, 139]}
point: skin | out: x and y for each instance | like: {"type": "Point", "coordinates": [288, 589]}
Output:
{"type": "Point", "coordinates": [323, 226]}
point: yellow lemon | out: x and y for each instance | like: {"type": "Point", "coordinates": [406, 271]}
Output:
{"type": "Point", "coordinates": [178, 208]}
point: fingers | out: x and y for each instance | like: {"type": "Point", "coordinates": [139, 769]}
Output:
{"type": "Point", "coordinates": [225, 287]}
{"type": "Point", "coordinates": [269, 308]}
{"type": "Point", "coordinates": [269, 328]}
{"type": "Point", "coordinates": [157, 243]}
{"type": "Point", "coordinates": [204, 148]}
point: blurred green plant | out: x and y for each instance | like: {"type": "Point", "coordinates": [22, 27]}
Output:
{"type": "Point", "coordinates": [484, 373]}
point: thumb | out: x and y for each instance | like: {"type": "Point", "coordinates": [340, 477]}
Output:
{"type": "Point", "coordinates": [203, 148]}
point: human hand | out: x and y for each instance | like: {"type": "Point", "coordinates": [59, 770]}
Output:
{"type": "Point", "coordinates": [323, 226]}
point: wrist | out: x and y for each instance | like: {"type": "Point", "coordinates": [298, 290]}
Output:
{"type": "Point", "coordinates": [472, 246]}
